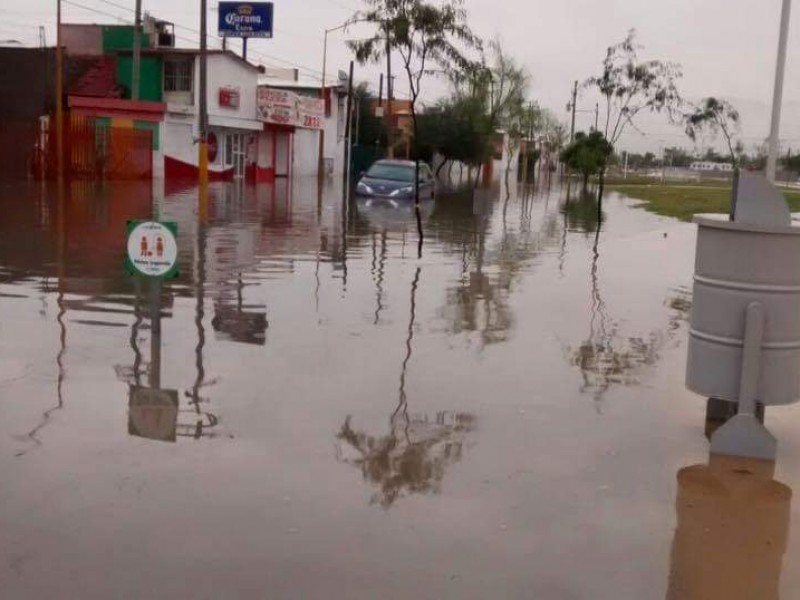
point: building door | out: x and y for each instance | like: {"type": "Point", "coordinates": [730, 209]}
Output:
{"type": "Point", "coordinates": [239, 154]}
{"type": "Point", "coordinates": [282, 153]}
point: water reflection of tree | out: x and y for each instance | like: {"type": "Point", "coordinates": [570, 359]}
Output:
{"type": "Point", "coordinates": [583, 213]}
{"type": "Point", "coordinates": [480, 302]}
{"type": "Point", "coordinates": [413, 457]}
{"type": "Point", "coordinates": [606, 358]}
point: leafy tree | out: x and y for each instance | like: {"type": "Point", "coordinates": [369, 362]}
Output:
{"type": "Point", "coordinates": [587, 154]}
{"type": "Point", "coordinates": [678, 157]}
{"type": "Point", "coordinates": [458, 129]}
{"type": "Point", "coordinates": [792, 163]}
{"type": "Point", "coordinates": [424, 34]}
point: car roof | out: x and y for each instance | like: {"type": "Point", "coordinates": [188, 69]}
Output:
{"type": "Point", "coordinates": [396, 163]}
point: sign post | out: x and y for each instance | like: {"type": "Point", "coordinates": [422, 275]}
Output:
{"type": "Point", "coordinates": [152, 252]}
{"type": "Point", "coordinates": [245, 20]}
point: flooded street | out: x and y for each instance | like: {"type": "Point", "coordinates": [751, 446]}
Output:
{"type": "Point", "coordinates": [311, 411]}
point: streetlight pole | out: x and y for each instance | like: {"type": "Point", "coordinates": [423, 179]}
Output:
{"type": "Point", "coordinates": [777, 98]}
{"type": "Point", "coordinates": [321, 157]}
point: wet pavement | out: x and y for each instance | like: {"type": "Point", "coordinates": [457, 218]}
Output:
{"type": "Point", "coordinates": [311, 411]}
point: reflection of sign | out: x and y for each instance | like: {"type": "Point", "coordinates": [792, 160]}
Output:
{"type": "Point", "coordinates": [152, 248]}
{"type": "Point", "coordinates": [213, 147]}
{"type": "Point", "coordinates": [153, 414]}
{"type": "Point", "coordinates": [379, 112]}
{"type": "Point", "coordinates": [287, 108]}
{"type": "Point", "coordinates": [229, 97]}
{"type": "Point", "coordinates": [245, 19]}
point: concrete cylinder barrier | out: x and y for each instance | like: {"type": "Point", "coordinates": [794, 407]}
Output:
{"type": "Point", "coordinates": [737, 264]}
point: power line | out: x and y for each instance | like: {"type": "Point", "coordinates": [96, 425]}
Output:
{"type": "Point", "coordinates": [94, 10]}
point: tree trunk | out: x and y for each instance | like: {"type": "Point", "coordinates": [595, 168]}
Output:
{"type": "Point", "coordinates": [417, 211]}
{"type": "Point", "coordinates": [734, 193]}
{"type": "Point", "coordinates": [440, 167]}
{"type": "Point", "coordinates": [602, 185]}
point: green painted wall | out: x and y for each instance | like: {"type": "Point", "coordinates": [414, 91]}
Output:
{"type": "Point", "coordinates": [150, 77]}
{"type": "Point", "coordinates": [120, 37]}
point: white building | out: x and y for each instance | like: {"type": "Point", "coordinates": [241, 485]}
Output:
{"type": "Point", "coordinates": [709, 166]}
{"type": "Point", "coordinates": [305, 127]}
{"type": "Point", "coordinates": [235, 130]}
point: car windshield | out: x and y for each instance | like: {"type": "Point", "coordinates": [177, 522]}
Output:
{"type": "Point", "coordinates": [392, 172]}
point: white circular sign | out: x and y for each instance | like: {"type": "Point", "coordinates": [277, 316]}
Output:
{"type": "Point", "coordinates": [152, 249]}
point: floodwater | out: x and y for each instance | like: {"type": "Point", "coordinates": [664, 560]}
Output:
{"type": "Point", "coordinates": [312, 411]}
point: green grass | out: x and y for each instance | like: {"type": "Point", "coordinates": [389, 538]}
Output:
{"type": "Point", "coordinates": [683, 201]}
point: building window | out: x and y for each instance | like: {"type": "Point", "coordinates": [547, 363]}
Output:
{"type": "Point", "coordinates": [178, 75]}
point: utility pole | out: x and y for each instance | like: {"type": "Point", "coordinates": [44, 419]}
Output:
{"type": "Point", "coordinates": [347, 132]}
{"type": "Point", "coordinates": [358, 121]}
{"type": "Point", "coordinates": [59, 96]}
{"type": "Point", "coordinates": [574, 102]}
{"type": "Point", "coordinates": [389, 98]}
{"type": "Point", "coordinates": [203, 146]}
{"type": "Point", "coordinates": [137, 51]}
{"type": "Point", "coordinates": [777, 98]}
{"type": "Point", "coordinates": [321, 153]}
{"type": "Point", "coordinates": [596, 115]}
{"type": "Point", "coordinates": [380, 92]}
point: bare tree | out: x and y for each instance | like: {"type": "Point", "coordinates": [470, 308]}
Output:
{"type": "Point", "coordinates": [630, 85]}
{"type": "Point", "coordinates": [717, 116]}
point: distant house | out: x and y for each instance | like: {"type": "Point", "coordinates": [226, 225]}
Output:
{"type": "Point", "coordinates": [709, 166]}
{"type": "Point", "coordinates": [402, 123]}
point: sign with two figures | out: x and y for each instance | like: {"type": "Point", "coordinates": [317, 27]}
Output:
{"type": "Point", "coordinates": [152, 248]}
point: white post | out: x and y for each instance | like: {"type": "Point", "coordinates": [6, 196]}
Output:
{"type": "Point", "coordinates": [777, 99]}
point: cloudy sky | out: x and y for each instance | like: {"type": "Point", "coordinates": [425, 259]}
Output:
{"type": "Point", "coordinates": [726, 47]}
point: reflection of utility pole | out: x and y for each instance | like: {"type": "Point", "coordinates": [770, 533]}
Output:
{"type": "Point", "coordinates": [596, 115]}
